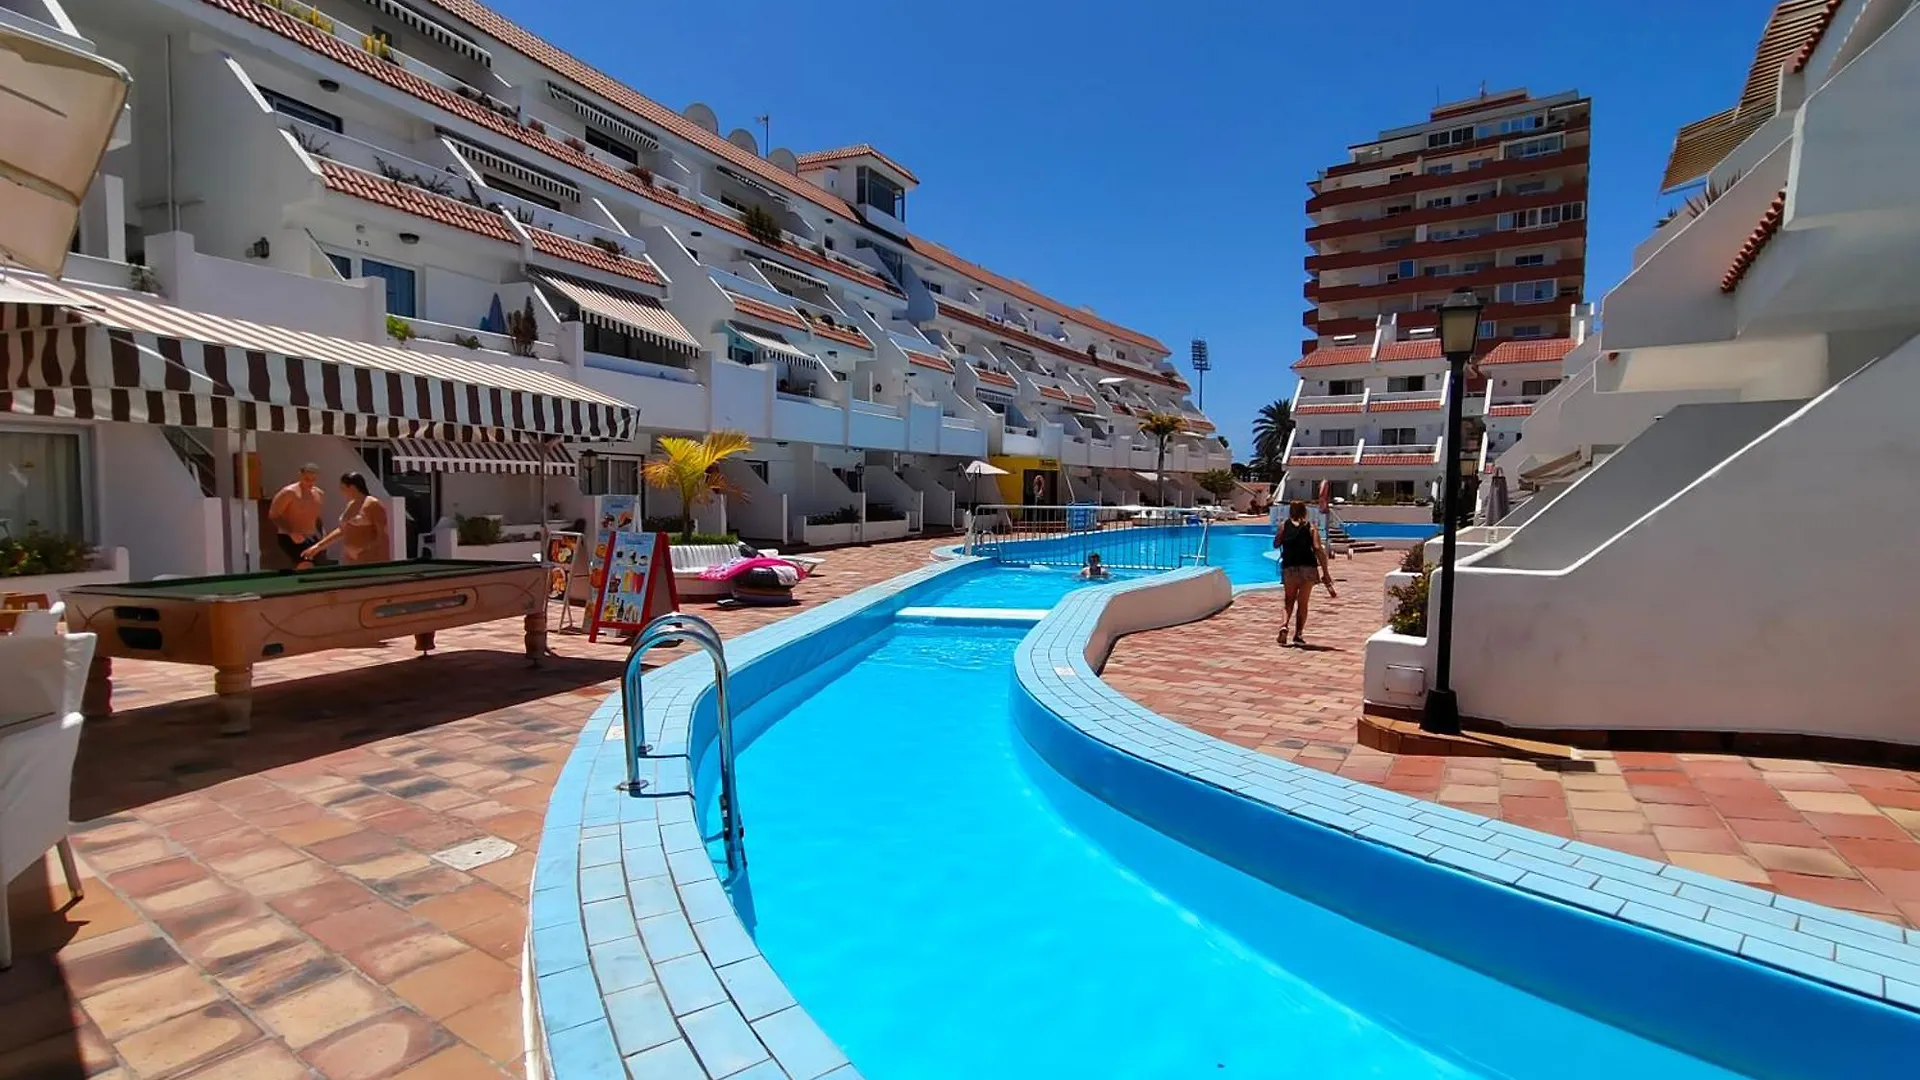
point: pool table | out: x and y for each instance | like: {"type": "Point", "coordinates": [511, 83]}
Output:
{"type": "Point", "coordinates": [230, 622]}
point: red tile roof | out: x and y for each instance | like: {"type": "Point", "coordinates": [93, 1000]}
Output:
{"type": "Point", "coordinates": [1416, 405]}
{"type": "Point", "coordinates": [363, 62]}
{"type": "Point", "coordinates": [1427, 349]}
{"type": "Point", "coordinates": [1066, 352]}
{"type": "Point", "coordinates": [994, 377]}
{"type": "Point", "coordinates": [958, 265]}
{"type": "Point", "coordinates": [1756, 240]}
{"type": "Point", "coordinates": [1819, 31]}
{"type": "Point", "coordinates": [846, 335]}
{"type": "Point", "coordinates": [514, 37]}
{"type": "Point", "coordinates": [1331, 355]}
{"type": "Point", "coordinates": [1321, 410]}
{"type": "Point", "coordinates": [746, 305]}
{"type": "Point", "coordinates": [1081, 400]}
{"type": "Point", "coordinates": [1538, 351]}
{"type": "Point", "coordinates": [1055, 393]}
{"type": "Point", "coordinates": [928, 360]}
{"type": "Point", "coordinates": [1371, 458]}
{"type": "Point", "coordinates": [556, 246]}
{"type": "Point", "coordinates": [419, 202]}
{"type": "Point", "coordinates": [826, 157]}
{"type": "Point", "coordinates": [1510, 410]}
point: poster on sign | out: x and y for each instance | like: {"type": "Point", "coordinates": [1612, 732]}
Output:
{"type": "Point", "coordinates": [563, 549]}
{"type": "Point", "coordinates": [636, 584]}
{"type": "Point", "coordinates": [612, 514]}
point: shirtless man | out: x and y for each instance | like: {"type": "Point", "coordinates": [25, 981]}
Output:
{"type": "Point", "coordinates": [295, 514]}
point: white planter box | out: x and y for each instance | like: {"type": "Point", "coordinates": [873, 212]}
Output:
{"type": "Point", "coordinates": [828, 535]}
{"type": "Point", "coordinates": [1396, 669]}
{"type": "Point", "coordinates": [52, 585]}
{"type": "Point", "coordinates": [1395, 579]}
{"type": "Point", "coordinates": [886, 530]}
{"type": "Point", "coordinates": [509, 551]}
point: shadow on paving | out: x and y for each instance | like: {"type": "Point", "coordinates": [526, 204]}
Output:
{"type": "Point", "coordinates": [146, 754]}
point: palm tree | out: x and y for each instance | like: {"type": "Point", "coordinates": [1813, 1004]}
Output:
{"type": "Point", "coordinates": [1162, 426]}
{"type": "Point", "coordinates": [691, 467]}
{"type": "Point", "coordinates": [1271, 427]}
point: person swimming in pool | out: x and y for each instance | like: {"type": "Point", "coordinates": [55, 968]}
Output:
{"type": "Point", "coordinates": [1094, 570]}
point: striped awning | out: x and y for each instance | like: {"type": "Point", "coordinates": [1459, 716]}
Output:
{"type": "Point", "coordinates": [618, 309]}
{"type": "Point", "coordinates": [773, 348]}
{"type": "Point", "coordinates": [440, 456]}
{"type": "Point", "coordinates": [601, 118]}
{"type": "Point", "coordinates": [82, 353]}
{"type": "Point", "coordinates": [538, 179]}
{"type": "Point", "coordinates": [445, 35]}
{"type": "Point", "coordinates": [793, 277]}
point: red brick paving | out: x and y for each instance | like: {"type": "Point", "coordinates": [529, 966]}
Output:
{"type": "Point", "coordinates": [1843, 835]}
{"type": "Point", "coordinates": [267, 906]}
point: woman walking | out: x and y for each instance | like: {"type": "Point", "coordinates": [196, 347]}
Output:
{"type": "Point", "coordinates": [1303, 561]}
{"type": "Point", "coordinates": [362, 532]}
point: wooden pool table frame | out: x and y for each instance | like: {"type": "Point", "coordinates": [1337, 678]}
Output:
{"type": "Point", "coordinates": [293, 613]}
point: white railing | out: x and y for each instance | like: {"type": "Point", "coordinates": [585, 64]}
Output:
{"type": "Point", "coordinates": [1429, 451]}
{"type": "Point", "coordinates": [1324, 454]}
{"type": "Point", "coordinates": [444, 179]}
{"type": "Point", "coordinates": [534, 215]}
{"type": "Point", "coordinates": [1436, 396]}
{"type": "Point", "coordinates": [359, 39]}
{"type": "Point", "coordinates": [1303, 401]}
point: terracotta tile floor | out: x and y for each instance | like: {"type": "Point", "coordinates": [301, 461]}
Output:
{"type": "Point", "coordinates": [271, 906]}
{"type": "Point", "coordinates": [1834, 834]}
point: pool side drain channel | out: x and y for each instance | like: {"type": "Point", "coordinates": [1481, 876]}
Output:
{"type": "Point", "coordinates": [1006, 616]}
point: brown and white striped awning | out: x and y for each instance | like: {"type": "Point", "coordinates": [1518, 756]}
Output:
{"type": "Point", "coordinates": [77, 352]}
{"type": "Point", "coordinates": [438, 456]}
{"type": "Point", "coordinates": [618, 309]}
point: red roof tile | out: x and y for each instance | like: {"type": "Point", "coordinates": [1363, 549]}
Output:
{"type": "Point", "coordinates": [846, 335]}
{"type": "Point", "coordinates": [556, 246]}
{"type": "Point", "coordinates": [419, 202]}
{"type": "Point", "coordinates": [1055, 393]}
{"type": "Point", "coordinates": [1813, 37]}
{"type": "Point", "coordinates": [748, 306]}
{"type": "Point", "coordinates": [1371, 458]}
{"type": "Point", "coordinates": [520, 40]}
{"type": "Point", "coordinates": [1510, 410]}
{"type": "Point", "coordinates": [1427, 349]}
{"type": "Point", "coordinates": [363, 62]}
{"type": "Point", "coordinates": [928, 360]}
{"type": "Point", "coordinates": [1756, 240]}
{"type": "Point", "coordinates": [826, 157]}
{"type": "Point", "coordinates": [958, 265]}
{"type": "Point", "coordinates": [1332, 355]}
{"type": "Point", "coordinates": [1538, 351]}
{"type": "Point", "coordinates": [1081, 400]}
{"type": "Point", "coordinates": [1416, 405]}
{"type": "Point", "coordinates": [1321, 410]}
{"type": "Point", "coordinates": [994, 377]}
{"type": "Point", "coordinates": [1065, 352]}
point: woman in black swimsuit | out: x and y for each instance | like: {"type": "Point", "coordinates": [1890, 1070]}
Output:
{"type": "Point", "coordinates": [1303, 561]}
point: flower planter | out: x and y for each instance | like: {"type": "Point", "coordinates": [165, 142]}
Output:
{"type": "Point", "coordinates": [885, 530]}
{"type": "Point", "coordinates": [1395, 579]}
{"type": "Point", "coordinates": [112, 573]}
{"type": "Point", "coordinates": [828, 535]}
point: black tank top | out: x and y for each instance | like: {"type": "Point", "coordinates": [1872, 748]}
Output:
{"type": "Point", "coordinates": [1296, 544]}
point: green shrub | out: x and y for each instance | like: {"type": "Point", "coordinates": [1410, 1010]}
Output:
{"type": "Point", "coordinates": [477, 531]}
{"type": "Point", "coordinates": [761, 225]}
{"type": "Point", "coordinates": [399, 329]}
{"type": "Point", "coordinates": [1410, 611]}
{"type": "Point", "coordinates": [1415, 559]}
{"type": "Point", "coordinates": [43, 553]}
{"type": "Point", "coordinates": [884, 512]}
{"type": "Point", "coordinates": [467, 341]}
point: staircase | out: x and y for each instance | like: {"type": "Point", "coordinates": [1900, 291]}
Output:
{"type": "Point", "coordinates": [194, 455]}
{"type": "Point", "coordinates": [1339, 543]}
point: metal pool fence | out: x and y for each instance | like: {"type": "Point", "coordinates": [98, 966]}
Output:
{"type": "Point", "coordinates": [1125, 537]}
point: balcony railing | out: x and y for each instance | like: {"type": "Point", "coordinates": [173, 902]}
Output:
{"type": "Point", "coordinates": [1426, 452]}
{"type": "Point", "coordinates": [364, 41]}
{"type": "Point", "coordinates": [540, 217]}
{"type": "Point", "coordinates": [1436, 397]}
{"type": "Point", "coordinates": [442, 179]}
{"type": "Point", "coordinates": [1330, 403]}
{"type": "Point", "coordinates": [1324, 455]}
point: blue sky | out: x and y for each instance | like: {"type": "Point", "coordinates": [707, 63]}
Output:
{"type": "Point", "coordinates": [1154, 168]}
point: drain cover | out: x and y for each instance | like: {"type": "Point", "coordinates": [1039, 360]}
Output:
{"type": "Point", "coordinates": [476, 853]}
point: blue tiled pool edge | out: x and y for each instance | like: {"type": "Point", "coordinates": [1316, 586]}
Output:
{"type": "Point", "coordinates": [640, 963]}
{"type": "Point", "coordinates": [1689, 960]}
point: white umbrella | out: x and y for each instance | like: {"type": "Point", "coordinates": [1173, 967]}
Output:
{"type": "Point", "coordinates": [58, 106]}
{"type": "Point", "coordinates": [977, 469]}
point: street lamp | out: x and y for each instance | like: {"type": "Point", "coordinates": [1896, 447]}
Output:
{"type": "Point", "coordinates": [1459, 333]}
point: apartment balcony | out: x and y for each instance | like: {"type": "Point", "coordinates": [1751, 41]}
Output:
{"type": "Point", "coordinates": [1571, 157]}
{"type": "Point", "coordinates": [1511, 411]}
{"type": "Point", "coordinates": [364, 41]}
{"type": "Point", "coordinates": [1551, 313]}
{"type": "Point", "coordinates": [1491, 241]}
{"type": "Point", "coordinates": [1396, 401]}
{"type": "Point", "coordinates": [1322, 457]}
{"type": "Point", "coordinates": [1563, 124]}
{"type": "Point", "coordinates": [1569, 272]}
{"type": "Point", "coordinates": [1499, 204]}
{"type": "Point", "coordinates": [1328, 404]}
{"type": "Point", "coordinates": [1416, 456]}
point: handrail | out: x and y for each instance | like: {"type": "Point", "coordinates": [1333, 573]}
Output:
{"type": "Point", "coordinates": [666, 629]}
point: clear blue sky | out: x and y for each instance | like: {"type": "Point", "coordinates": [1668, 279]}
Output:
{"type": "Point", "coordinates": [1154, 167]}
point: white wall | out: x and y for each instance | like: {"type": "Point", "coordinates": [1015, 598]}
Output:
{"type": "Point", "coordinates": [761, 511]}
{"type": "Point", "coordinates": [1775, 594]}
{"type": "Point", "coordinates": [150, 504]}
{"type": "Point", "coordinates": [939, 501]}
{"type": "Point", "coordinates": [809, 421]}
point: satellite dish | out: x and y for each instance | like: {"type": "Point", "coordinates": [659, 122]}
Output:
{"type": "Point", "coordinates": [784, 158]}
{"type": "Point", "coordinates": [704, 116]}
{"type": "Point", "coordinates": [744, 139]}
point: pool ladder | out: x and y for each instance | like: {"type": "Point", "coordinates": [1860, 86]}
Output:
{"type": "Point", "coordinates": [673, 628]}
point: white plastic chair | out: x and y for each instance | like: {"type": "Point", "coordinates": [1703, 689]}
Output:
{"type": "Point", "coordinates": [41, 679]}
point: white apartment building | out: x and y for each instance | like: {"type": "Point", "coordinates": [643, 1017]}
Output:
{"type": "Point", "coordinates": [1370, 419]}
{"type": "Point", "coordinates": [1723, 483]}
{"type": "Point", "coordinates": [427, 178]}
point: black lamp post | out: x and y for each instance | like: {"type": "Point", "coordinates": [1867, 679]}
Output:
{"type": "Point", "coordinates": [1459, 333]}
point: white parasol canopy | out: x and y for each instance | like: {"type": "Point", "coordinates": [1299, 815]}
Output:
{"type": "Point", "coordinates": [981, 468]}
{"type": "Point", "coordinates": [58, 106]}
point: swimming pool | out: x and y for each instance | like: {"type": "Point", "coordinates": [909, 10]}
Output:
{"type": "Point", "coordinates": [1025, 587]}
{"type": "Point", "coordinates": [945, 904]}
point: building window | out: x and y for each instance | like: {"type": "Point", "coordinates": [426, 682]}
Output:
{"type": "Point", "coordinates": [1476, 267]}
{"type": "Point", "coordinates": [518, 192]}
{"type": "Point", "coordinates": [1535, 259]}
{"type": "Point", "coordinates": [740, 352]}
{"type": "Point", "coordinates": [615, 475]}
{"type": "Point", "coordinates": [1532, 330]}
{"type": "Point", "coordinates": [342, 265]}
{"type": "Point", "coordinates": [1525, 292]}
{"type": "Point", "coordinates": [1339, 387]}
{"type": "Point", "coordinates": [1439, 203]}
{"type": "Point", "coordinates": [1530, 148]}
{"type": "Point", "coordinates": [1338, 437]}
{"type": "Point", "coordinates": [1436, 270]}
{"type": "Point", "coordinates": [759, 469]}
{"type": "Point", "coordinates": [1405, 384]}
{"type": "Point", "coordinates": [934, 288]}
{"type": "Point", "coordinates": [881, 193]}
{"type": "Point", "coordinates": [1396, 242]}
{"type": "Point", "coordinates": [1478, 163]}
{"type": "Point", "coordinates": [1454, 137]}
{"type": "Point", "coordinates": [1513, 125]}
{"type": "Point", "coordinates": [1487, 330]}
{"type": "Point", "coordinates": [1401, 489]}
{"type": "Point", "coordinates": [42, 491]}
{"type": "Point", "coordinates": [1399, 436]}
{"type": "Point", "coordinates": [300, 110]}
{"type": "Point", "coordinates": [1529, 187]}
{"type": "Point", "coordinates": [401, 289]}
{"type": "Point", "coordinates": [1399, 208]}
{"type": "Point", "coordinates": [1405, 269]}
{"type": "Point", "coordinates": [613, 146]}
{"type": "Point", "coordinates": [1442, 169]}
{"type": "Point", "coordinates": [1392, 177]}
{"type": "Point", "coordinates": [1543, 216]}
{"type": "Point", "coordinates": [1538, 388]}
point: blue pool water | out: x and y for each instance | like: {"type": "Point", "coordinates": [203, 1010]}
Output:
{"type": "Point", "coordinates": [947, 906]}
{"type": "Point", "coordinates": [1012, 587]}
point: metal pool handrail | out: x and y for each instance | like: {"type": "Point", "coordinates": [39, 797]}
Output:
{"type": "Point", "coordinates": [676, 627]}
